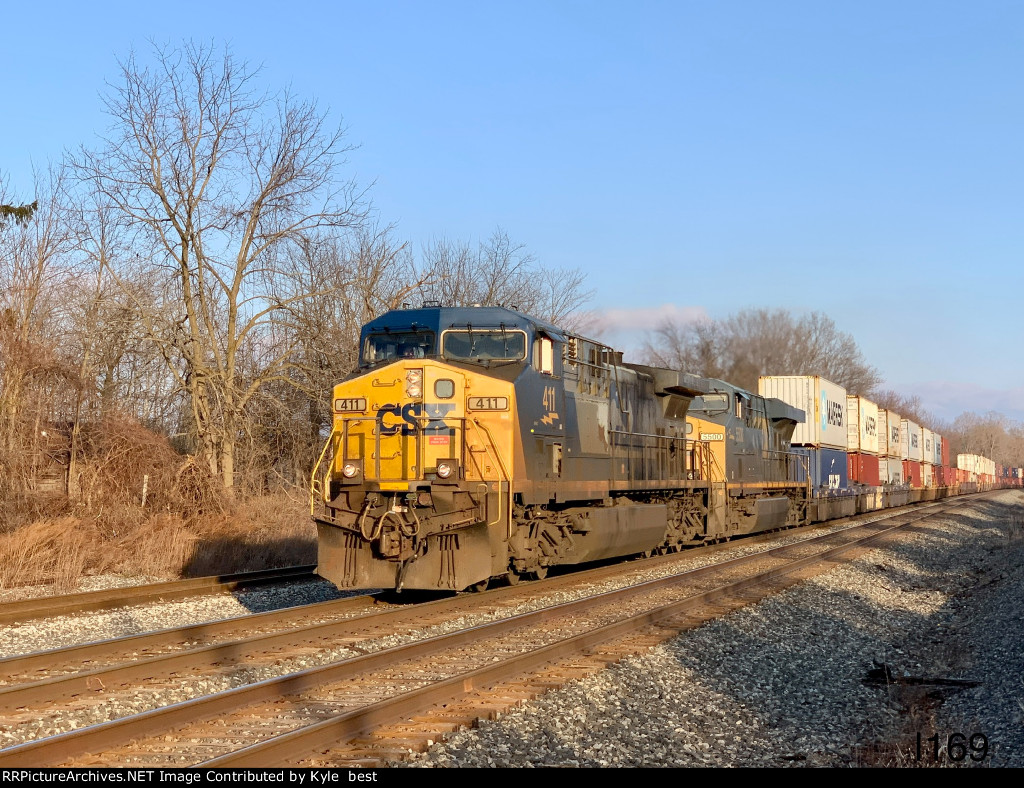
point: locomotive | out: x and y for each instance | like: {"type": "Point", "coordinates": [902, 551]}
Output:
{"type": "Point", "coordinates": [476, 443]}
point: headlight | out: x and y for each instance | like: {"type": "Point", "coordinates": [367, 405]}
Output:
{"type": "Point", "coordinates": [444, 470]}
{"type": "Point", "coordinates": [414, 383]}
{"type": "Point", "coordinates": [349, 470]}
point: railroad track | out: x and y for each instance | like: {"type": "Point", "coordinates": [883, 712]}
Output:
{"type": "Point", "coordinates": [112, 598]}
{"type": "Point", "coordinates": [384, 701]}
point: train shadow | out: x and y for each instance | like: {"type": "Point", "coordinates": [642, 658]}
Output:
{"type": "Point", "coordinates": [230, 555]}
{"type": "Point", "coordinates": [227, 555]}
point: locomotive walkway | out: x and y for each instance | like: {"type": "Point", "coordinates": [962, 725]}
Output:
{"type": "Point", "coordinates": [385, 701]}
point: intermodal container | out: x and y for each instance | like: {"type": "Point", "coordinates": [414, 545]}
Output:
{"type": "Point", "coordinates": [910, 441]}
{"type": "Point", "coordinates": [912, 472]}
{"type": "Point", "coordinates": [823, 403]}
{"type": "Point", "coordinates": [828, 468]}
{"type": "Point", "coordinates": [862, 425]}
{"type": "Point", "coordinates": [945, 452]}
{"type": "Point", "coordinates": [890, 470]}
{"type": "Point", "coordinates": [890, 422]}
{"type": "Point", "coordinates": [927, 446]}
{"type": "Point", "coordinates": [864, 469]}
{"type": "Point", "coordinates": [926, 475]}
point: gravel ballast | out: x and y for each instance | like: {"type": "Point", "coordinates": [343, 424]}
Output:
{"type": "Point", "coordinates": [833, 672]}
{"type": "Point", "coordinates": [778, 683]}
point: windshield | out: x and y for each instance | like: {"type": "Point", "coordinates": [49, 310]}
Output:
{"type": "Point", "coordinates": [398, 344]}
{"type": "Point", "coordinates": [483, 344]}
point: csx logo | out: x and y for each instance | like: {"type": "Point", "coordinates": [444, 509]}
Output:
{"type": "Point", "coordinates": [410, 418]}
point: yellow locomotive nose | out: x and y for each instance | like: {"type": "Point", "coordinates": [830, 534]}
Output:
{"type": "Point", "coordinates": [416, 474]}
{"type": "Point", "coordinates": [412, 421]}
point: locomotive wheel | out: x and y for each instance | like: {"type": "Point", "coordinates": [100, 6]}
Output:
{"type": "Point", "coordinates": [540, 572]}
{"type": "Point", "coordinates": [481, 586]}
{"type": "Point", "coordinates": [513, 578]}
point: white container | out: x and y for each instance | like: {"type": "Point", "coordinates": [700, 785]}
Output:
{"type": "Point", "coordinates": [910, 440]}
{"type": "Point", "coordinates": [936, 449]}
{"type": "Point", "coordinates": [967, 462]}
{"type": "Point", "coordinates": [862, 425]}
{"type": "Point", "coordinates": [927, 446]}
{"type": "Point", "coordinates": [890, 470]}
{"type": "Point", "coordinates": [889, 428]}
{"type": "Point", "coordinates": [926, 474]}
{"type": "Point", "coordinates": [823, 403]}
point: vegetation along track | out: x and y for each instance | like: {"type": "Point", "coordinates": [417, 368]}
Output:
{"type": "Point", "coordinates": [448, 679]}
{"type": "Point", "coordinates": [110, 598]}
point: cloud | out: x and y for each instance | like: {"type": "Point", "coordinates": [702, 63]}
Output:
{"type": "Point", "coordinates": [641, 318]}
{"type": "Point", "coordinates": [627, 329]}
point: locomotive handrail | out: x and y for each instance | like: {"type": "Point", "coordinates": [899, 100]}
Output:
{"type": "Point", "coordinates": [642, 447]}
{"type": "Point", "coordinates": [649, 435]}
{"type": "Point", "coordinates": [504, 472]}
{"type": "Point", "coordinates": [312, 477]}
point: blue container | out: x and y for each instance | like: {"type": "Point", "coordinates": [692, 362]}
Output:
{"type": "Point", "coordinates": [828, 468]}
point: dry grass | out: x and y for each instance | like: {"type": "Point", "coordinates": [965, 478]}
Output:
{"type": "Point", "coordinates": [262, 533]}
{"type": "Point", "coordinates": [184, 524]}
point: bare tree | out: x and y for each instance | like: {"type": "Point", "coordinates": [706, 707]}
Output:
{"type": "Point", "coordinates": [756, 342]}
{"type": "Point", "coordinates": [35, 246]}
{"type": "Point", "coordinates": [909, 407]}
{"type": "Point", "coordinates": [502, 272]}
{"type": "Point", "coordinates": [219, 184]}
{"type": "Point", "coordinates": [990, 434]}
{"type": "Point", "coordinates": [697, 347]}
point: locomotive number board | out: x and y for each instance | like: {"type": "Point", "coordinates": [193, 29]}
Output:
{"type": "Point", "coordinates": [350, 405]}
{"type": "Point", "coordinates": [488, 403]}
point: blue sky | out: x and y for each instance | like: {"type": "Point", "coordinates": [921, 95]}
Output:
{"type": "Point", "coordinates": [865, 159]}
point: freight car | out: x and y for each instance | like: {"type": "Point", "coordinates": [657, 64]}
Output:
{"type": "Point", "coordinates": [477, 443]}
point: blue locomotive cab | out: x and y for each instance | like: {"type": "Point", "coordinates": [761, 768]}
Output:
{"type": "Point", "coordinates": [486, 336]}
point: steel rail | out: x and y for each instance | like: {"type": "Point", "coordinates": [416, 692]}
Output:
{"type": "Point", "coordinates": [207, 631]}
{"type": "Point", "coordinates": [55, 749]}
{"type": "Point", "coordinates": [110, 598]}
{"type": "Point", "coordinates": [109, 679]}
{"type": "Point", "coordinates": [282, 749]}
{"type": "Point", "coordinates": [97, 650]}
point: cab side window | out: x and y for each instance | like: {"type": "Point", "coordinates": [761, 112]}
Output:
{"type": "Point", "coordinates": [546, 358]}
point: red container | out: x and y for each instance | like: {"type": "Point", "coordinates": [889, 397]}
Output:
{"type": "Point", "coordinates": [945, 452]}
{"type": "Point", "coordinates": [912, 473]}
{"type": "Point", "coordinates": [939, 476]}
{"type": "Point", "coordinates": [863, 468]}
